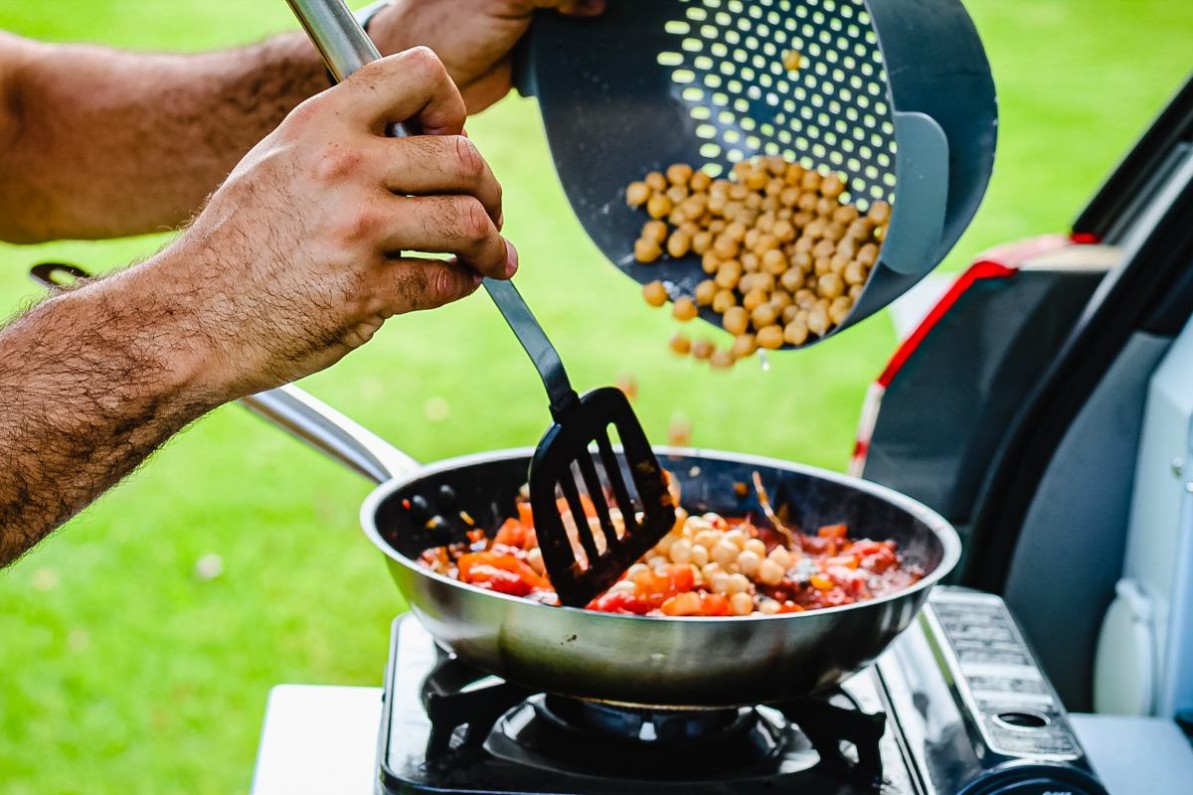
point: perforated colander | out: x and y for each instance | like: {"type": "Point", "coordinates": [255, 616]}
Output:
{"type": "Point", "coordinates": [895, 96]}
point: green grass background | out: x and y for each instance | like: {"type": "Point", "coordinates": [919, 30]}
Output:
{"type": "Point", "coordinates": [123, 672]}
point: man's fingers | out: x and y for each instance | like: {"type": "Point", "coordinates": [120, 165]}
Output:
{"type": "Point", "coordinates": [457, 225]}
{"type": "Point", "coordinates": [410, 87]}
{"type": "Point", "coordinates": [439, 164]}
{"type": "Point", "coordinates": [411, 283]}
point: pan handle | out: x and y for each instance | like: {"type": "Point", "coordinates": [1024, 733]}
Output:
{"type": "Point", "coordinates": [310, 420]}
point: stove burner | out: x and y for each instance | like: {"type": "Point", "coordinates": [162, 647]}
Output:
{"type": "Point", "coordinates": [644, 725]}
{"type": "Point", "coordinates": [472, 713]}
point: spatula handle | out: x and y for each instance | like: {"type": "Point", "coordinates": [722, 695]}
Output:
{"type": "Point", "coordinates": [538, 347]}
{"type": "Point", "coordinates": [346, 47]}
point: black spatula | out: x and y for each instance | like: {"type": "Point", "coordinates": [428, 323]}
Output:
{"type": "Point", "coordinates": [565, 468]}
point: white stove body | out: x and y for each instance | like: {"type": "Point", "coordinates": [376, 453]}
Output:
{"type": "Point", "coordinates": [1144, 663]}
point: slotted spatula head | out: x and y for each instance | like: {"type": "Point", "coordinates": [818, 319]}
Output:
{"type": "Point", "coordinates": [596, 512]}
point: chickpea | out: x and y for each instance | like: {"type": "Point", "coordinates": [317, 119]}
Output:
{"type": "Point", "coordinates": [699, 182]}
{"type": "Point", "coordinates": [845, 214]}
{"type": "Point", "coordinates": [636, 194]}
{"type": "Point", "coordinates": [766, 243]}
{"type": "Point", "coordinates": [825, 208]}
{"type": "Point", "coordinates": [741, 604]}
{"type": "Point", "coordinates": [749, 562]}
{"type": "Point", "coordinates": [822, 265]}
{"type": "Point", "coordinates": [728, 274]}
{"type": "Point", "coordinates": [694, 207]}
{"type": "Point", "coordinates": [750, 262]}
{"type": "Point", "coordinates": [770, 572]}
{"type": "Point", "coordinates": [655, 293]}
{"type": "Point", "coordinates": [795, 332]}
{"type": "Point", "coordinates": [723, 301]}
{"type": "Point", "coordinates": [855, 273]}
{"type": "Point", "coordinates": [717, 202]}
{"type": "Point", "coordinates": [676, 216]}
{"type": "Point", "coordinates": [780, 300]}
{"type": "Point", "coordinates": [751, 238]}
{"type": "Point", "coordinates": [656, 181]}
{"type": "Point", "coordinates": [834, 231]}
{"type": "Point", "coordinates": [684, 309]}
{"type": "Point", "coordinates": [818, 321]}
{"type": "Point", "coordinates": [679, 243]}
{"type": "Point", "coordinates": [782, 556]}
{"type": "Point", "coordinates": [805, 299]}
{"type": "Point", "coordinates": [710, 262]}
{"type": "Point", "coordinates": [756, 180]}
{"type": "Point", "coordinates": [736, 320]}
{"type": "Point", "coordinates": [855, 292]}
{"type": "Point", "coordinates": [753, 299]}
{"type": "Point", "coordinates": [736, 231]}
{"type": "Point", "coordinates": [774, 262]}
{"type": "Point", "coordinates": [725, 247]}
{"type": "Point", "coordinates": [789, 315]}
{"type": "Point", "coordinates": [724, 553]}
{"type": "Point", "coordinates": [832, 186]}
{"type": "Point", "coordinates": [719, 582]}
{"type": "Point", "coordinates": [794, 174]}
{"type": "Point", "coordinates": [753, 201]}
{"type": "Point", "coordinates": [701, 242]}
{"type": "Point", "coordinates": [659, 205]}
{"type": "Point", "coordinates": [880, 213]}
{"type": "Point", "coordinates": [621, 586]}
{"type": "Point", "coordinates": [831, 286]}
{"type": "Point", "coordinates": [655, 230]}
{"type": "Point", "coordinates": [699, 556]}
{"type": "Point", "coordinates": [792, 60]}
{"type": "Point", "coordinates": [705, 292]}
{"type": "Point", "coordinates": [839, 309]}
{"type": "Point", "coordinates": [678, 194]}
{"type": "Point", "coordinates": [770, 338]}
{"type": "Point", "coordinates": [808, 200]}
{"type": "Point", "coordinates": [765, 223]}
{"type": "Point", "coordinates": [824, 249]}
{"type": "Point", "coordinates": [680, 345]}
{"type": "Point", "coordinates": [702, 349]}
{"type": "Point", "coordinates": [792, 279]}
{"type": "Point", "coordinates": [721, 359]}
{"type": "Point", "coordinates": [646, 251]}
{"type": "Point", "coordinates": [738, 583]}
{"type": "Point", "coordinates": [744, 346]}
{"type": "Point", "coordinates": [769, 607]}
{"type": "Point", "coordinates": [707, 537]}
{"type": "Point", "coordinates": [789, 197]}
{"type": "Point", "coordinates": [737, 191]}
{"type": "Point", "coordinates": [679, 174]}
{"type": "Point", "coordinates": [801, 219]}
{"type": "Point", "coordinates": [805, 244]}
{"type": "Point", "coordinates": [802, 260]}
{"type": "Point", "coordinates": [810, 182]}
{"type": "Point", "coordinates": [868, 255]}
{"type": "Point", "coordinates": [690, 228]}
{"type": "Point", "coordinates": [757, 546]}
{"type": "Point", "coordinates": [860, 229]}
{"type": "Point", "coordinates": [847, 247]}
{"type": "Point", "coordinates": [656, 562]}
{"type": "Point", "coordinates": [783, 230]}
{"type": "Point", "coordinates": [774, 186]}
{"type": "Point", "coordinates": [535, 558]}
{"type": "Point", "coordinates": [764, 315]}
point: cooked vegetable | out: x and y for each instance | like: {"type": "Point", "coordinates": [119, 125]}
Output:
{"type": "Point", "coordinates": [707, 565]}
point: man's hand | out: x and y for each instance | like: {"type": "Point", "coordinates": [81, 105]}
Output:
{"type": "Point", "coordinates": [297, 258]}
{"type": "Point", "coordinates": [472, 37]}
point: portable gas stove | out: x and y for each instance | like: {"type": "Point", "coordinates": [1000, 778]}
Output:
{"type": "Point", "coordinates": [957, 705]}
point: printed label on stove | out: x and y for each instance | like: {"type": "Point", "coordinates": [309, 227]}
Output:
{"type": "Point", "coordinates": [1015, 709]}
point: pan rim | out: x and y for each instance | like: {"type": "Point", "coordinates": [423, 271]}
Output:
{"type": "Point", "coordinates": [940, 527]}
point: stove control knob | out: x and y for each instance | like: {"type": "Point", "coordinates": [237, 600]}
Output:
{"type": "Point", "coordinates": [1035, 780]}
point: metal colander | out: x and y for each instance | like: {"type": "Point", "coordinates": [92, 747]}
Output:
{"type": "Point", "coordinates": [894, 96]}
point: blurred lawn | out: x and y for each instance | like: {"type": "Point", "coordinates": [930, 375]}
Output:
{"type": "Point", "coordinates": [120, 671]}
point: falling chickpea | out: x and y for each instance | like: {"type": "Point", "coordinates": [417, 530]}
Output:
{"type": "Point", "coordinates": [655, 293]}
{"type": "Point", "coordinates": [684, 309]}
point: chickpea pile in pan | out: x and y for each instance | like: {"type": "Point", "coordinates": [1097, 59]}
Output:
{"type": "Point", "coordinates": [786, 259]}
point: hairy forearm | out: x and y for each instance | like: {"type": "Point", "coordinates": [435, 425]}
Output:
{"type": "Point", "coordinates": [102, 143]}
{"type": "Point", "coordinates": [91, 383]}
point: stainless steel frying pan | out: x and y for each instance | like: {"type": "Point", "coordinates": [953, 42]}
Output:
{"type": "Point", "coordinates": [636, 660]}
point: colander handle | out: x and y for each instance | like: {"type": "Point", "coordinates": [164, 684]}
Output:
{"type": "Point", "coordinates": [917, 218]}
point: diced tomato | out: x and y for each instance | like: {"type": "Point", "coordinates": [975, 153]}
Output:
{"type": "Point", "coordinates": [512, 533]}
{"type": "Point", "coordinates": [621, 602]}
{"type": "Point", "coordinates": [876, 556]}
{"type": "Point", "coordinates": [666, 582]}
{"type": "Point", "coordinates": [848, 561]}
{"type": "Point", "coordinates": [790, 607]}
{"type": "Point", "coordinates": [499, 580]}
{"type": "Point", "coordinates": [525, 516]}
{"type": "Point", "coordinates": [504, 562]}
{"type": "Point", "coordinates": [714, 604]}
